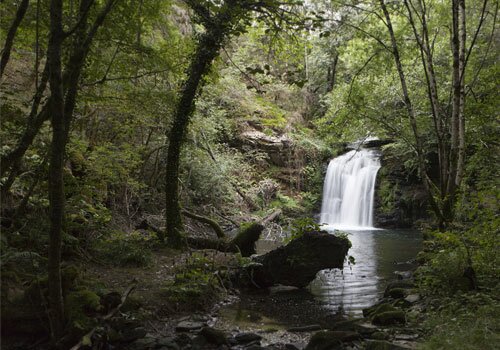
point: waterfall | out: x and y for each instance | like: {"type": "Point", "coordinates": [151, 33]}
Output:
{"type": "Point", "coordinates": [349, 189]}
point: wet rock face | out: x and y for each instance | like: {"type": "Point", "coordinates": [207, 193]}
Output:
{"type": "Point", "coordinates": [275, 146]}
{"type": "Point", "coordinates": [297, 263]}
{"type": "Point", "coordinates": [400, 197]}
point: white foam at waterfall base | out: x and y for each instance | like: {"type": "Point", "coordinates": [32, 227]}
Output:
{"type": "Point", "coordinates": [348, 191]}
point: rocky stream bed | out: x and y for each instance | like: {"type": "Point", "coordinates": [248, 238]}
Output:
{"type": "Point", "coordinates": [287, 318]}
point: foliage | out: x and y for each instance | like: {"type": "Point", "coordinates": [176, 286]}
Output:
{"type": "Point", "coordinates": [121, 249]}
{"type": "Point", "coordinates": [301, 226]}
{"type": "Point", "coordinates": [197, 283]}
{"type": "Point", "coordinates": [466, 321]}
{"type": "Point", "coordinates": [81, 306]}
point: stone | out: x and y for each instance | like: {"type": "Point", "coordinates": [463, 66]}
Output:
{"type": "Point", "coordinates": [403, 275]}
{"type": "Point", "coordinates": [182, 339]}
{"type": "Point", "coordinates": [379, 335]}
{"type": "Point", "coordinates": [254, 347]}
{"type": "Point", "coordinates": [412, 298]}
{"type": "Point", "coordinates": [167, 343]}
{"type": "Point", "coordinates": [382, 345]}
{"type": "Point", "coordinates": [324, 340]}
{"type": "Point", "coordinates": [281, 289]}
{"type": "Point", "coordinates": [291, 346]}
{"type": "Point", "coordinates": [398, 293]}
{"type": "Point", "coordinates": [133, 334]}
{"type": "Point", "coordinates": [124, 324]}
{"type": "Point", "coordinates": [389, 318]}
{"type": "Point", "coordinates": [144, 343]}
{"type": "Point", "coordinates": [199, 343]}
{"type": "Point", "coordinates": [297, 263]}
{"type": "Point", "coordinates": [345, 336]}
{"type": "Point", "coordinates": [406, 337]}
{"type": "Point", "coordinates": [398, 284]}
{"type": "Point", "coordinates": [187, 326]}
{"type": "Point", "coordinates": [378, 308]}
{"type": "Point", "coordinates": [308, 328]}
{"type": "Point", "coordinates": [247, 337]}
{"type": "Point", "coordinates": [365, 329]}
{"type": "Point", "coordinates": [214, 336]}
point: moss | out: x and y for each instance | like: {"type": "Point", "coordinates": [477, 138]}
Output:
{"type": "Point", "coordinates": [245, 240]}
{"type": "Point", "coordinates": [376, 309]}
{"type": "Point", "coordinates": [389, 318]}
{"type": "Point", "coordinates": [324, 340]}
{"type": "Point", "coordinates": [80, 306]}
{"type": "Point", "coordinates": [398, 293]}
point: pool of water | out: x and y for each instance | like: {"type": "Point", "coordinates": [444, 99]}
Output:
{"type": "Point", "coordinates": [378, 255]}
{"type": "Point", "coordinates": [334, 294]}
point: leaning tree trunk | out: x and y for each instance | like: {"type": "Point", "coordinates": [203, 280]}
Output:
{"type": "Point", "coordinates": [9, 40]}
{"type": "Point", "coordinates": [56, 186]}
{"type": "Point", "coordinates": [411, 116]}
{"type": "Point", "coordinates": [206, 51]}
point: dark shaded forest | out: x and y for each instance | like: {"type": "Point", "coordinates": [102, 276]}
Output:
{"type": "Point", "coordinates": [149, 148]}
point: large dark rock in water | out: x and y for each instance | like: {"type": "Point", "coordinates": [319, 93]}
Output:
{"type": "Point", "coordinates": [297, 263]}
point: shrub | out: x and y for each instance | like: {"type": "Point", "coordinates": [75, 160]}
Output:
{"type": "Point", "coordinates": [123, 249]}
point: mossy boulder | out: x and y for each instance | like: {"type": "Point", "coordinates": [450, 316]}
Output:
{"type": "Point", "coordinates": [214, 336]}
{"type": "Point", "coordinates": [389, 318]}
{"type": "Point", "coordinates": [324, 340]}
{"type": "Point", "coordinates": [378, 308]}
{"type": "Point", "coordinates": [298, 262]}
{"type": "Point", "coordinates": [81, 308]}
{"type": "Point", "coordinates": [246, 237]}
{"type": "Point", "coordinates": [398, 284]}
{"type": "Point", "coordinates": [398, 293]}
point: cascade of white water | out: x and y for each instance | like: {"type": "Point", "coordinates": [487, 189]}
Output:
{"type": "Point", "coordinates": [349, 189]}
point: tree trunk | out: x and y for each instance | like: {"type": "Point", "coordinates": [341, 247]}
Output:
{"type": "Point", "coordinates": [461, 116]}
{"type": "Point", "coordinates": [61, 123]}
{"type": "Point", "coordinates": [332, 73]}
{"type": "Point", "coordinates": [411, 115]}
{"type": "Point", "coordinates": [56, 185]}
{"type": "Point", "coordinates": [206, 220]}
{"type": "Point", "coordinates": [71, 78]}
{"type": "Point", "coordinates": [33, 125]}
{"type": "Point", "coordinates": [206, 51]}
{"type": "Point", "coordinates": [455, 114]}
{"type": "Point", "coordinates": [9, 40]}
{"type": "Point", "coordinates": [432, 91]}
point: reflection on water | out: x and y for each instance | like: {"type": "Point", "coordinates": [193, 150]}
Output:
{"type": "Point", "coordinates": [333, 294]}
{"type": "Point", "coordinates": [378, 254]}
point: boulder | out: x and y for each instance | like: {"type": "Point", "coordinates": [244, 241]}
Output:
{"type": "Point", "coordinates": [214, 336]}
{"type": "Point", "coordinates": [398, 284]}
{"type": "Point", "coordinates": [324, 340]}
{"type": "Point", "coordinates": [298, 262]}
{"type": "Point", "coordinates": [398, 293]}
{"type": "Point", "coordinates": [247, 337]}
{"type": "Point", "coordinates": [389, 318]}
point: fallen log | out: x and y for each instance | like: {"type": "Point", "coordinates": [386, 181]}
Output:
{"type": "Point", "coordinates": [271, 217]}
{"type": "Point", "coordinates": [206, 220]}
{"type": "Point", "coordinates": [243, 242]}
{"type": "Point", "coordinates": [298, 262]}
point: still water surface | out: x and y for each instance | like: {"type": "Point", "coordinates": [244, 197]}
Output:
{"type": "Point", "coordinates": [378, 254]}
{"type": "Point", "coordinates": [334, 293]}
